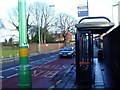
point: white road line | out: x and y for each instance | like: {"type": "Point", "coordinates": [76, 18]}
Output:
{"type": "Point", "coordinates": [34, 67]}
{"type": "Point", "coordinates": [49, 74]}
{"type": "Point", "coordinates": [8, 69]}
{"type": "Point", "coordinates": [58, 66]}
{"type": "Point", "coordinates": [40, 72]}
{"type": "Point", "coordinates": [53, 66]}
{"type": "Point", "coordinates": [30, 62]}
{"type": "Point", "coordinates": [16, 69]}
{"type": "Point", "coordinates": [12, 75]}
{"type": "Point", "coordinates": [36, 61]}
{"type": "Point", "coordinates": [54, 74]}
{"type": "Point", "coordinates": [33, 62]}
{"type": "Point", "coordinates": [50, 61]}
{"type": "Point", "coordinates": [53, 56]}
{"type": "Point", "coordinates": [1, 77]}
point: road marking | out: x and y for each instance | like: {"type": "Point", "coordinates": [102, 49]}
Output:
{"type": "Point", "coordinates": [53, 56]}
{"type": "Point", "coordinates": [55, 72]}
{"type": "Point", "coordinates": [40, 72]}
{"type": "Point", "coordinates": [34, 67]}
{"type": "Point", "coordinates": [30, 62]}
{"type": "Point", "coordinates": [50, 61]}
{"type": "Point", "coordinates": [8, 69]}
{"type": "Point", "coordinates": [12, 75]}
{"type": "Point", "coordinates": [33, 62]}
{"type": "Point", "coordinates": [49, 74]}
{"type": "Point", "coordinates": [53, 66]}
{"type": "Point", "coordinates": [64, 66]}
{"type": "Point", "coordinates": [46, 66]}
{"type": "Point", "coordinates": [57, 67]}
{"type": "Point", "coordinates": [16, 69]}
{"type": "Point", "coordinates": [1, 77]}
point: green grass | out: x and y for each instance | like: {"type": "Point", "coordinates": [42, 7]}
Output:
{"type": "Point", "coordinates": [8, 51]}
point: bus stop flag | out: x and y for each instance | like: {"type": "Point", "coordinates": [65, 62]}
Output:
{"type": "Point", "coordinates": [82, 10]}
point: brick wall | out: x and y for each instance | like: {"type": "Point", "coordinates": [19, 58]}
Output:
{"type": "Point", "coordinates": [45, 48]}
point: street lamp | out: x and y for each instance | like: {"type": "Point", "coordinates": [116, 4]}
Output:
{"type": "Point", "coordinates": [39, 36]}
{"type": "Point", "coordinates": [112, 11]}
{"type": "Point", "coordinates": [118, 17]}
{"type": "Point", "coordinates": [24, 74]}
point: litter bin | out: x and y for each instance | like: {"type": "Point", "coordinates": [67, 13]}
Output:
{"type": "Point", "coordinates": [100, 54]}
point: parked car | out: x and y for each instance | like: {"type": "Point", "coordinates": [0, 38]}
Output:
{"type": "Point", "coordinates": [67, 52]}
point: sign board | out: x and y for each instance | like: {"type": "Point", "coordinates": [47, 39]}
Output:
{"type": "Point", "coordinates": [82, 9]}
{"type": "Point", "coordinates": [82, 13]}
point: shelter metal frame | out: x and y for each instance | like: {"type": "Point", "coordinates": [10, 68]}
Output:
{"type": "Point", "coordinates": [84, 46]}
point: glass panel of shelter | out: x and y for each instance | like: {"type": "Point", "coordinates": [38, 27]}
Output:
{"type": "Point", "coordinates": [83, 56]}
{"type": "Point", "coordinates": [85, 47]}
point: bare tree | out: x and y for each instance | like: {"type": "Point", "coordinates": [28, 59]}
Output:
{"type": "Point", "coordinates": [65, 24]}
{"type": "Point", "coordinates": [37, 13]}
{"type": "Point", "coordinates": [1, 24]}
{"type": "Point", "coordinates": [43, 15]}
{"type": "Point", "coordinates": [13, 18]}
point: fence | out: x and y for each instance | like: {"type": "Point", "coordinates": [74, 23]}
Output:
{"type": "Point", "coordinates": [111, 44]}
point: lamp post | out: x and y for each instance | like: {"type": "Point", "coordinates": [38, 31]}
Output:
{"type": "Point", "coordinates": [118, 17]}
{"type": "Point", "coordinates": [39, 32]}
{"type": "Point", "coordinates": [24, 74]}
{"type": "Point", "coordinates": [39, 35]}
{"type": "Point", "coordinates": [112, 11]}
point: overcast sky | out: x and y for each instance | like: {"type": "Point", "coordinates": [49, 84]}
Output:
{"type": "Point", "coordinates": [96, 7]}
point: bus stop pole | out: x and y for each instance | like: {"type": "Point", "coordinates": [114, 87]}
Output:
{"type": "Point", "coordinates": [24, 74]}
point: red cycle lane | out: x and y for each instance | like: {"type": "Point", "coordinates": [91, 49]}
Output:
{"type": "Point", "coordinates": [45, 75]}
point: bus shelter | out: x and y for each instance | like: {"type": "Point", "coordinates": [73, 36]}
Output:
{"type": "Point", "coordinates": [84, 45]}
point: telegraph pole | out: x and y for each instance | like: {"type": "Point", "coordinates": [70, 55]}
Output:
{"type": "Point", "coordinates": [24, 74]}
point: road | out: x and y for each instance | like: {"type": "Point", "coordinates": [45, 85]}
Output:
{"type": "Point", "coordinates": [10, 69]}
{"type": "Point", "coordinates": [46, 70]}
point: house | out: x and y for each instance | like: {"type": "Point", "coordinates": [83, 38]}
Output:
{"type": "Point", "coordinates": [70, 37]}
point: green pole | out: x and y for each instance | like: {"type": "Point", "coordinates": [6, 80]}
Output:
{"type": "Point", "coordinates": [24, 74]}
{"type": "Point", "coordinates": [39, 47]}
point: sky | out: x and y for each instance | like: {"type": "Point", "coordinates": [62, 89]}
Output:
{"type": "Point", "coordinates": [96, 8]}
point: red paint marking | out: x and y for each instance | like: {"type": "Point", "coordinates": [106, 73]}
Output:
{"type": "Point", "coordinates": [44, 76]}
